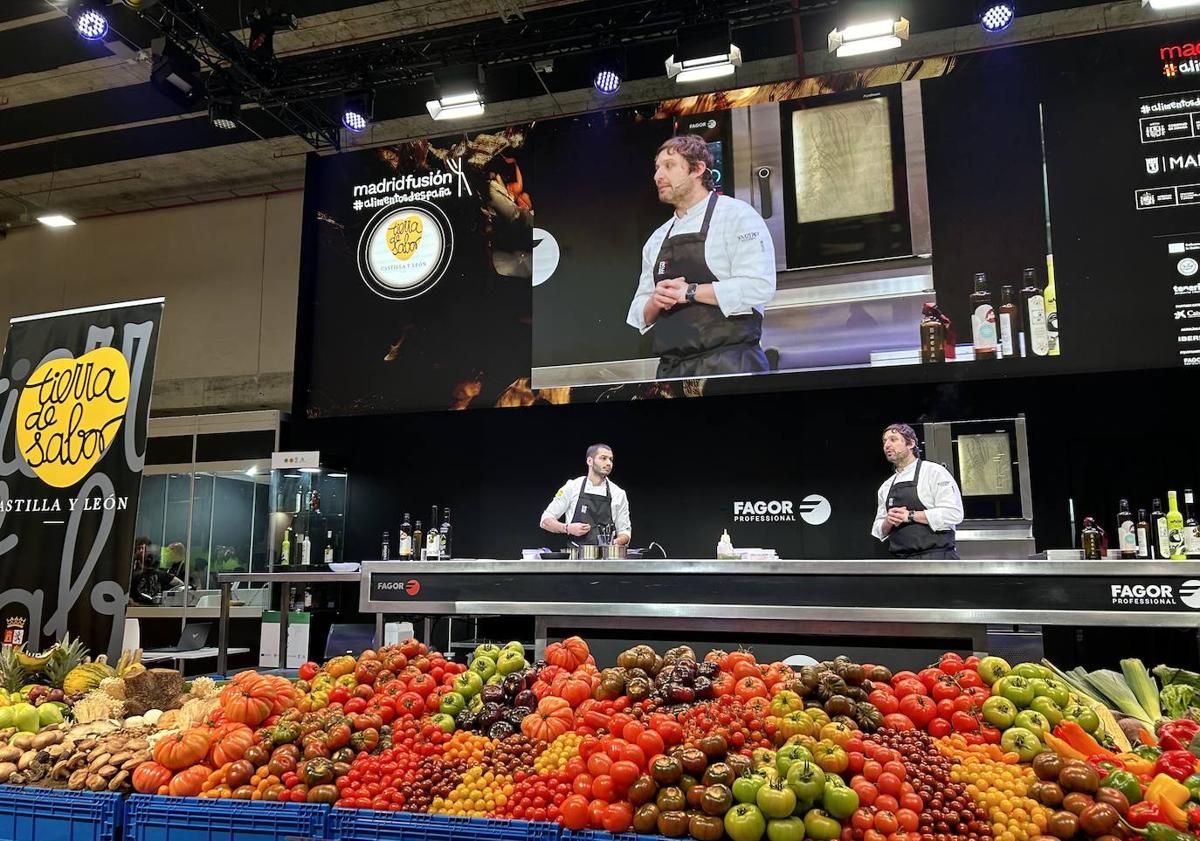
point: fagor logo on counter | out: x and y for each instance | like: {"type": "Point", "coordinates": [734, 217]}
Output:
{"type": "Point", "coordinates": [410, 587]}
{"type": "Point", "coordinates": [814, 509]}
{"type": "Point", "coordinates": [1137, 595]}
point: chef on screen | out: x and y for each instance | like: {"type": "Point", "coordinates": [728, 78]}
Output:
{"type": "Point", "coordinates": [706, 272]}
{"type": "Point", "coordinates": [590, 504]}
{"type": "Point", "coordinates": [920, 505]}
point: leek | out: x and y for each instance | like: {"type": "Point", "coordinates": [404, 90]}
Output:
{"type": "Point", "coordinates": [1112, 685]}
{"type": "Point", "coordinates": [1143, 686]}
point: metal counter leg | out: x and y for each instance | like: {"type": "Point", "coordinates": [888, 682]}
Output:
{"type": "Point", "coordinates": [427, 631]}
{"type": "Point", "coordinates": [379, 630]}
{"type": "Point", "coordinates": [285, 605]}
{"type": "Point", "coordinates": [539, 638]}
{"type": "Point", "coordinates": [223, 630]}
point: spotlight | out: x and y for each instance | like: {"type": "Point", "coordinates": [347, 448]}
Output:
{"type": "Point", "coordinates": [997, 17]}
{"type": "Point", "coordinates": [358, 109]}
{"type": "Point", "coordinates": [703, 51]}
{"type": "Point", "coordinates": [56, 220]}
{"type": "Point", "coordinates": [224, 114]}
{"type": "Point", "coordinates": [606, 73]}
{"type": "Point", "coordinates": [90, 20]}
{"type": "Point", "coordinates": [872, 37]}
{"type": "Point", "coordinates": [1167, 5]}
{"type": "Point", "coordinates": [174, 73]}
{"type": "Point", "coordinates": [459, 92]}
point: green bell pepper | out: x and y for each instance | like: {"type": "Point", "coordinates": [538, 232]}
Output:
{"type": "Point", "coordinates": [1126, 783]}
{"type": "Point", "coordinates": [1148, 752]}
{"type": "Point", "coordinates": [1193, 784]}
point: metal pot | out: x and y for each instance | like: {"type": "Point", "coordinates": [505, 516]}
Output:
{"type": "Point", "coordinates": [613, 552]}
{"type": "Point", "coordinates": [586, 552]}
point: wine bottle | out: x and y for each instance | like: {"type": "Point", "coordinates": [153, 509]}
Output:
{"type": "Point", "coordinates": [418, 546]}
{"type": "Point", "coordinates": [1174, 528]}
{"type": "Point", "coordinates": [1126, 534]}
{"type": "Point", "coordinates": [1159, 550]}
{"type": "Point", "coordinates": [285, 557]}
{"type": "Point", "coordinates": [1033, 309]}
{"type": "Point", "coordinates": [1012, 335]}
{"type": "Point", "coordinates": [1143, 535]}
{"type": "Point", "coordinates": [433, 546]}
{"type": "Point", "coordinates": [445, 535]}
{"type": "Point", "coordinates": [329, 546]}
{"type": "Point", "coordinates": [933, 337]}
{"type": "Point", "coordinates": [983, 320]}
{"type": "Point", "coordinates": [1093, 540]}
{"type": "Point", "coordinates": [404, 540]}
{"type": "Point", "coordinates": [305, 551]}
{"type": "Point", "coordinates": [385, 548]}
{"type": "Point", "coordinates": [1191, 530]}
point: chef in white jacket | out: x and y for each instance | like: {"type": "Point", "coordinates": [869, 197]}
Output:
{"type": "Point", "coordinates": [585, 505]}
{"type": "Point", "coordinates": [920, 505]}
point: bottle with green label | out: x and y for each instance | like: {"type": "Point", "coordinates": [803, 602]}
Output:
{"type": "Point", "coordinates": [1159, 549]}
{"type": "Point", "coordinates": [1174, 521]}
{"type": "Point", "coordinates": [285, 557]}
{"type": "Point", "coordinates": [1126, 533]}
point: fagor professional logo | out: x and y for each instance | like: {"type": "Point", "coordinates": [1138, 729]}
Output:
{"type": "Point", "coordinates": [1143, 594]}
{"type": "Point", "coordinates": [410, 587]}
{"type": "Point", "coordinates": [404, 250]}
{"type": "Point", "coordinates": [814, 509]}
{"type": "Point", "coordinates": [1189, 593]}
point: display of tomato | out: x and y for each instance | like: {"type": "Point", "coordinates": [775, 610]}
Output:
{"type": "Point", "coordinates": [309, 670]}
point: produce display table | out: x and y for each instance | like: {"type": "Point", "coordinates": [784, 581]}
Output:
{"type": "Point", "coordinates": [857, 598]}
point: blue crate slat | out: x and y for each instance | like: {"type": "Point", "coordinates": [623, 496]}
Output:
{"type": "Point", "coordinates": [600, 835]}
{"type": "Point", "coordinates": [55, 815]}
{"type": "Point", "coordinates": [367, 825]}
{"type": "Point", "coordinates": [155, 818]}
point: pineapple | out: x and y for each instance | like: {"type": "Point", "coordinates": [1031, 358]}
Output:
{"type": "Point", "coordinates": [12, 673]}
{"type": "Point", "coordinates": [69, 654]}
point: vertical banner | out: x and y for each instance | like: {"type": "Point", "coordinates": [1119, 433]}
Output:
{"type": "Point", "coordinates": [76, 403]}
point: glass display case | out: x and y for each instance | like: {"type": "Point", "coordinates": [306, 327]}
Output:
{"type": "Point", "coordinates": [308, 514]}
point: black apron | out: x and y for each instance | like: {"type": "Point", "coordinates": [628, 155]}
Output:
{"type": "Point", "coordinates": [916, 540]}
{"type": "Point", "coordinates": [596, 511]}
{"type": "Point", "coordinates": [698, 340]}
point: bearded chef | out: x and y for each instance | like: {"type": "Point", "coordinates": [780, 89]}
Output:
{"type": "Point", "coordinates": [591, 503]}
{"type": "Point", "coordinates": [920, 505]}
{"type": "Point", "coordinates": [707, 272]}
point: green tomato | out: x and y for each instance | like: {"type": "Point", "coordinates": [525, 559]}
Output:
{"type": "Point", "coordinates": [785, 829]}
{"type": "Point", "coordinates": [510, 661]}
{"type": "Point", "coordinates": [806, 781]}
{"type": "Point", "coordinates": [488, 650]}
{"type": "Point", "coordinates": [775, 800]}
{"type": "Point", "coordinates": [745, 787]}
{"type": "Point", "coordinates": [1031, 670]}
{"type": "Point", "coordinates": [1033, 721]}
{"type": "Point", "coordinates": [1085, 717]}
{"type": "Point", "coordinates": [485, 667]}
{"type": "Point", "coordinates": [1045, 705]}
{"type": "Point", "coordinates": [1023, 742]}
{"type": "Point", "coordinates": [820, 827]}
{"type": "Point", "coordinates": [475, 704]}
{"type": "Point", "coordinates": [452, 704]}
{"type": "Point", "coordinates": [444, 721]}
{"type": "Point", "coordinates": [840, 800]}
{"type": "Point", "coordinates": [1052, 689]}
{"type": "Point", "coordinates": [1016, 689]}
{"type": "Point", "coordinates": [744, 822]}
{"type": "Point", "coordinates": [514, 645]}
{"type": "Point", "coordinates": [1000, 712]}
{"type": "Point", "coordinates": [991, 669]}
{"type": "Point", "coordinates": [789, 755]}
{"type": "Point", "coordinates": [468, 684]}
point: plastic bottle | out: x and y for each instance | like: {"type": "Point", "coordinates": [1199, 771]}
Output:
{"type": "Point", "coordinates": [725, 546]}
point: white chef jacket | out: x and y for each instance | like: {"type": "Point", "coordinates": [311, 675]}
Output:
{"type": "Point", "coordinates": [562, 507]}
{"type": "Point", "coordinates": [739, 252]}
{"type": "Point", "coordinates": [937, 491]}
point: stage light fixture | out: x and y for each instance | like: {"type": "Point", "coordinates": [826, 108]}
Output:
{"type": "Point", "coordinates": [997, 17]}
{"type": "Point", "coordinates": [358, 109]}
{"type": "Point", "coordinates": [703, 51]}
{"type": "Point", "coordinates": [872, 37]}
{"type": "Point", "coordinates": [224, 114]}
{"type": "Point", "coordinates": [1168, 5]}
{"type": "Point", "coordinates": [459, 92]}
{"type": "Point", "coordinates": [607, 72]}
{"type": "Point", "coordinates": [56, 220]}
{"type": "Point", "coordinates": [91, 21]}
{"type": "Point", "coordinates": [175, 74]}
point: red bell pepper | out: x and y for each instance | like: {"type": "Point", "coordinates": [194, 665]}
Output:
{"type": "Point", "coordinates": [1177, 735]}
{"type": "Point", "coordinates": [1193, 819]}
{"type": "Point", "coordinates": [1140, 814]}
{"type": "Point", "coordinates": [1178, 764]}
{"type": "Point", "coordinates": [1105, 763]}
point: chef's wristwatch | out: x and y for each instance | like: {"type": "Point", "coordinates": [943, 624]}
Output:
{"type": "Point", "coordinates": [690, 296]}
{"type": "Point", "coordinates": [911, 518]}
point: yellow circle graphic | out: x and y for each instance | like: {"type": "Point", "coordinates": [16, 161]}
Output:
{"type": "Point", "coordinates": [404, 236]}
{"type": "Point", "coordinates": [70, 412]}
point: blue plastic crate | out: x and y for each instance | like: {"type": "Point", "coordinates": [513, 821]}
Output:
{"type": "Point", "coordinates": [154, 818]}
{"type": "Point", "coordinates": [54, 815]}
{"type": "Point", "coordinates": [601, 835]}
{"type": "Point", "coordinates": [368, 825]}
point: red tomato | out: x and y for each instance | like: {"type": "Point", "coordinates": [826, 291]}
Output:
{"type": "Point", "coordinates": [871, 770]}
{"type": "Point", "coordinates": [631, 731]}
{"type": "Point", "coordinates": [908, 820]}
{"type": "Point", "coordinates": [623, 774]}
{"type": "Point", "coordinates": [651, 743]}
{"type": "Point", "coordinates": [905, 675]}
{"type": "Point", "coordinates": [862, 820]}
{"type": "Point", "coordinates": [338, 695]}
{"type": "Point", "coordinates": [874, 834]}
{"type": "Point", "coordinates": [596, 814]}
{"type": "Point", "coordinates": [964, 722]}
{"type": "Point", "coordinates": [951, 665]}
{"type": "Point", "coordinates": [886, 822]}
{"type": "Point", "coordinates": [945, 708]}
{"type": "Point", "coordinates": [939, 727]}
{"type": "Point", "coordinates": [912, 801]}
{"type": "Point", "coordinates": [968, 678]}
{"type": "Point", "coordinates": [582, 785]}
{"type": "Point", "coordinates": [945, 687]}
{"type": "Point", "coordinates": [671, 732]}
{"type": "Point", "coordinates": [898, 721]}
{"type": "Point", "coordinates": [886, 803]}
{"type": "Point", "coordinates": [603, 788]}
{"type": "Point", "coordinates": [885, 702]}
{"type": "Point", "coordinates": [857, 762]}
{"type": "Point", "coordinates": [751, 687]}
{"type": "Point", "coordinates": [910, 687]}
{"type": "Point", "coordinates": [573, 812]}
{"type": "Point", "coordinates": [972, 663]}
{"type": "Point", "coordinates": [919, 710]}
{"type": "Point", "coordinates": [617, 817]}
{"type": "Point", "coordinates": [599, 763]}
{"type": "Point", "coordinates": [991, 735]}
{"type": "Point", "coordinates": [867, 794]}
{"type": "Point", "coordinates": [309, 670]}
{"type": "Point", "coordinates": [896, 767]}
{"type": "Point", "coordinates": [929, 677]}
{"type": "Point", "coordinates": [888, 783]}
{"type": "Point", "coordinates": [354, 705]}
{"type": "Point", "coordinates": [634, 754]}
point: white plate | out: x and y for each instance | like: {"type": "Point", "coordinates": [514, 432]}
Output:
{"type": "Point", "coordinates": [344, 567]}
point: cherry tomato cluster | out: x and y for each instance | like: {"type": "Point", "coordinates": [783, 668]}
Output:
{"type": "Point", "coordinates": [743, 723]}
{"type": "Point", "coordinates": [943, 699]}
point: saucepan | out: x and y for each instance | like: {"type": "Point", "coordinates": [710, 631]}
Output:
{"type": "Point", "coordinates": [586, 552]}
